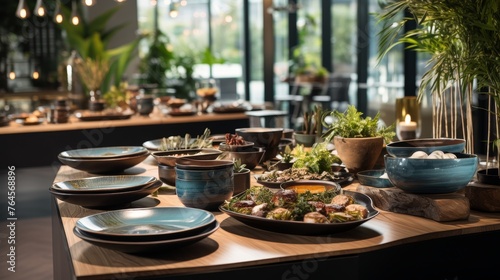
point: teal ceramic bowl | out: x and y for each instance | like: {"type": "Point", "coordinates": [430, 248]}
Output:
{"type": "Point", "coordinates": [408, 147]}
{"type": "Point", "coordinates": [431, 176]}
{"type": "Point", "coordinates": [372, 178]}
{"type": "Point", "coordinates": [204, 188]}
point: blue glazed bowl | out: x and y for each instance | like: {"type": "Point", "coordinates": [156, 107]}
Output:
{"type": "Point", "coordinates": [431, 176]}
{"type": "Point", "coordinates": [408, 147]}
{"type": "Point", "coordinates": [372, 178]}
{"type": "Point", "coordinates": [204, 189]}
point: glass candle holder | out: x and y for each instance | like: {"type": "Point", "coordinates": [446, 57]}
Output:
{"type": "Point", "coordinates": [408, 122]}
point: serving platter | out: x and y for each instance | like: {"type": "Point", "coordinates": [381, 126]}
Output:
{"type": "Point", "coordinates": [105, 184]}
{"type": "Point", "coordinates": [142, 224]}
{"type": "Point", "coordinates": [146, 246]}
{"type": "Point", "coordinates": [27, 122]}
{"type": "Point", "coordinates": [302, 228]}
{"type": "Point", "coordinates": [104, 152]}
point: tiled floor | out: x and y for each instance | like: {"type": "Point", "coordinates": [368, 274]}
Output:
{"type": "Point", "coordinates": [33, 229]}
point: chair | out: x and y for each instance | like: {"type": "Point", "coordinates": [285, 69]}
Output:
{"type": "Point", "coordinates": [337, 95]}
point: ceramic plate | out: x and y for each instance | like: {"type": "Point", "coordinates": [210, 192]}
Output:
{"type": "Point", "coordinates": [104, 152]}
{"type": "Point", "coordinates": [105, 184]}
{"type": "Point", "coordinates": [141, 223]}
{"type": "Point", "coordinates": [106, 200]}
{"type": "Point", "coordinates": [104, 165]}
{"type": "Point", "coordinates": [26, 122]}
{"type": "Point", "coordinates": [298, 227]}
{"type": "Point", "coordinates": [372, 178]}
{"type": "Point", "coordinates": [154, 145]}
{"type": "Point", "coordinates": [93, 116]}
{"type": "Point", "coordinates": [146, 246]}
{"type": "Point", "coordinates": [170, 157]}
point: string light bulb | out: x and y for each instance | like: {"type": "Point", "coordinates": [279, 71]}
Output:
{"type": "Point", "coordinates": [173, 13]}
{"type": "Point", "coordinates": [35, 75]}
{"type": "Point", "coordinates": [12, 75]}
{"type": "Point", "coordinates": [58, 16]}
{"type": "Point", "coordinates": [22, 10]}
{"type": "Point", "coordinates": [40, 8]}
{"type": "Point", "coordinates": [89, 2]}
{"type": "Point", "coordinates": [75, 20]}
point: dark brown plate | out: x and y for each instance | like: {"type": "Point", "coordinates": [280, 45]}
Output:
{"type": "Point", "coordinates": [106, 165]}
{"type": "Point", "coordinates": [298, 227]}
{"type": "Point", "coordinates": [106, 200]}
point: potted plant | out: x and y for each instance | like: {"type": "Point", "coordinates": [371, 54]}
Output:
{"type": "Point", "coordinates": [312, 128]}
{"type": "Point", "coordinates": [462, 41]}
{"type": "Point", "coordinates": [241, 177]}
{"type": "Point", "coordinates": [358, 140]}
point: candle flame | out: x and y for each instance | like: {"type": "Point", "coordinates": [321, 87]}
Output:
{"type": "Point", "coordinates": [407, 119]}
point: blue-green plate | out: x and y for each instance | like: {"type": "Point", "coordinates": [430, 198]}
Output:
{"type": "Point", "coordinates": [146, 223]}
{"type": "Point", "coordinates": [104, 152]}
{"type": "Point", "coordinates": [105, 184]}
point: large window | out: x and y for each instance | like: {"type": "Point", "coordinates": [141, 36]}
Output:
{"type": "Point", "coordinates": [213, 26]}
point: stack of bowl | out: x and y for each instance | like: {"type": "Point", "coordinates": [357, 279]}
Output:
{"type": "Point", "coordinates": [246, 153]}
{"type": "Point", "coordinates": [105, 159]}
{"type": "Point", "coordinates": [105, 191]}
{"type": "Point", "coordinates": [204, 184]}
{"type": "Point", "coordinates": [166, 161]}
{"type": "Point", "coordinates": [262, 137]}
{"type": "Point", "coordinates": [424, 175]}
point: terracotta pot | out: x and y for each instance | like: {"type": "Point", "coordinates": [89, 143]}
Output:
{"type": "Point", "coordinates": [358, 154]}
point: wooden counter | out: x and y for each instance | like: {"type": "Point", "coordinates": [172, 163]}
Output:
{"type": "Point", "coordinates": [390, 246]}
{"type": "Point", "coordinates": [39, 145]}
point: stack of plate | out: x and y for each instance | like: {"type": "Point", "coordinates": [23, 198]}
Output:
{"type": "Point", "coordinates": [105, 159]}
{"type": "Point", "coordinates": [106, 191]}
{"type": "Point", "coordinates": [146, 229]}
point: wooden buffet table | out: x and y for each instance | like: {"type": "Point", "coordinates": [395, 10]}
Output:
{"type": "Point", "coordinates": [390, 246]}
{"type": "Point", "coordinates": [29, 145]}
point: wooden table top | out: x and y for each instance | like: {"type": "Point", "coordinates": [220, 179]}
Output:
{"type": "Point", "coordinates": [236, 245]}
{"type": "Point", "coordinates": [136, 120]}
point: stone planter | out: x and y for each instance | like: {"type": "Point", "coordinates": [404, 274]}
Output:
{"type": "Point", "coordinates": [241, 181]}
{"type": "Point", "coordinates": [358, 154]}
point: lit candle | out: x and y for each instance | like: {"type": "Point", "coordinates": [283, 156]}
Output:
{"type": "Point", "coordinates": [407, 129]}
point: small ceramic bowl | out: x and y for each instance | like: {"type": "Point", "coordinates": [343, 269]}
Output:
{"type": "Point", "coordinates": [166, 174]}
{"type": "Point", "coordinates": [431, 176]}
{"type": "Point", "coordinates": [247, 146]}
{"type": "Point", "coordinates": [204, 188]}
{"type": "Point", "coordinates": [372, 178]}
{"type": "Point", "coordinates": [267, 138]}
{"type": "Point", "coordinates": [408, 147]}
{"type": "Point", "coordinates": [250, 158]}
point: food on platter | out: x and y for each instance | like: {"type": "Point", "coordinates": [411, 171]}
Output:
{"type": "Point", "coordinates": [329, 206]}
{"type": "Point", "coordinates": [293, 174]}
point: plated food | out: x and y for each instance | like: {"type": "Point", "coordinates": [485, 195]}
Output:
{"type": "Point", "coordinates": [275, 178]}
{"type": "Point", "coordinates": [300, 213]}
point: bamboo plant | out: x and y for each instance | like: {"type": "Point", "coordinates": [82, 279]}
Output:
{"type": "Point", "coordinates": [463, 41]}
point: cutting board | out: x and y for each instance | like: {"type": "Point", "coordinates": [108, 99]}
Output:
{"type": "Point", "coordinates": [438, 207]}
